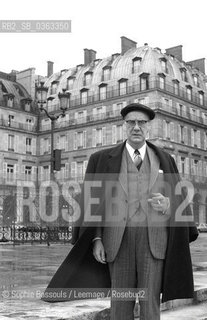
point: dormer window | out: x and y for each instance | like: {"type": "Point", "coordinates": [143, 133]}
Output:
{"type": "Point", "coordinates": [163, 62]}
{"type": "Point", "coordinates": [176, 86]}
{"type": "Point", "coordinates": [144, 81]}
{"type": "Point", "coordinates": [161, 80]}
{"type": "Point", "coordinates": [54, 86]}
{"type": "Point", "coordinates": [123, 86]}
{"type": "Point", "coordinates": [26, 104]}
{"type": "Point", "coordinates": [195, 80]}
{"type": "Point", "coordinates": [136, 62]}
{"type": "Point", "coordinates": [9, 100]}
{"type": "Point", "coordinates": [87, 78]}
{"type": "Point", "coordinates": [201, 97]}
{"type": "Point", "coordinates": [106, 73]}
{"type": "Point", "coordinates": [84, 96]}
{"type": "Point", "coordinates": [70, 82]}
{"type": "Point", "coordinates": [103, 91]}
{"type": "Point", "coordinates": [189, 92]}
{"type": "Point", "coordinates": [183, 72]}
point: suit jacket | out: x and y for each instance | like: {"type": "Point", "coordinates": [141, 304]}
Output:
{"type": "Point", "coordinates": [80, 269]}
{"type": "Point", "coordinates": [145, 215]}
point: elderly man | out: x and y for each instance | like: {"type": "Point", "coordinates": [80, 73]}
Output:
{"type": "Point", "coordinates": [146, 248]}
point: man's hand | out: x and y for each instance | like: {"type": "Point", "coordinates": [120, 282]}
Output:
{"type": "Point", "coordinates": [98, 251]}
{"type": "Point", "coordinates": [159, 202]}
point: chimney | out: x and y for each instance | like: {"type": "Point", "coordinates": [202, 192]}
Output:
{"type": "Point", "coordinates": [176, 52]}
{"type": "Point", "coordinates": [199, 64]}
{"type": "Point", "coordinates": [49, 68]}
{"type": "Point", "coordinates": [127, 44]}
{"type": "Point", "coordinates": [89, 56]}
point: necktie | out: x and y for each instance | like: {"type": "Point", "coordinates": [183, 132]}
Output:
{"type": "Point", "coordinates": [137, 159]}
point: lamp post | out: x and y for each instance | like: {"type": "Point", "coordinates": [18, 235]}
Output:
{"type": "Point", "coordinates": [42, 100]}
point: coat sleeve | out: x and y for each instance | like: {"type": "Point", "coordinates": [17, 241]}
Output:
{"type": "Point", "coordinates": [76, 228]}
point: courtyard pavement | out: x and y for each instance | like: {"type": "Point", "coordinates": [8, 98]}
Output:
{"type": "Point", "coordinates": [25, 271]}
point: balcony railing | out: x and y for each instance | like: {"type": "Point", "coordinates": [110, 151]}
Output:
{"type": "Point", "coordinates": [153, 84]}
{"type": "Point", "coordinates": [17, 125]}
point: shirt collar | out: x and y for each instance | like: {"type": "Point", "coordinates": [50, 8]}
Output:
{"type": "Point", "coordinates": [142, 150]}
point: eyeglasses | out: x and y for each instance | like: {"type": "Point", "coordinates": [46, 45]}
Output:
{"type": "Point", "coordinates": [132, 123]}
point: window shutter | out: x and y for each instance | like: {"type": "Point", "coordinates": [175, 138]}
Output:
{"type": "Point", "coordinates": [198, 138]}
{"type": "Point", "coordinates": [179, 164]}
{"type": "Point", "coordinates": [179, 133]}
{"type": "Point", "coordinates": [94, 138]}
{"type": "Point", "coordinates": [4, 169]}
{"type": "Point", "coordinates": [34, 146]}
{"type": "Point", "coordinates": [200, 173]}
{"type": "Point", "coordinates": [114, 138]}
{"type": "Point", "coordinates": [172, 134]}
{"type": "Point", "coordinates": [23, 172]}
{"type": "Point", "coordinates": [49, 145]}
{"type": "Point", "coordinates": [73, 169]}
{"type": "Point", "coordinates": [34, 173]}
{"type": "Point", "coordinates": [16, 170]}
{"type": "Point", "coordinates": [185, 135]}
{"type": "Point", "coordinates": [192, 166]}
{"type": "Point", "coordinates": [104, 136]}
{"type": "Point", "coordinates": [164, 124]}
{"type": "Point", "coordinates": [192, 137]}
{"type": "Point", "coordinates": [67, 168]}
{"type": "Point", "coordinates": [16, 144]}
{"type": "Point", "coordinates": [85, 163]}
{"type": "Point", "coordinates": [23, 144]}
{"type": "Point", "coordinates": [84, 139]}
{"type": "Point", "coordinates": [75, 141]}
{"type": "Point", "coordinates": [187, 169]}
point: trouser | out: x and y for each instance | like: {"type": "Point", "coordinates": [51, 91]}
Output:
{"type": "Point", "coordinates": [135, 267]}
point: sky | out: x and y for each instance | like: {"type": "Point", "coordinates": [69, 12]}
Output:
{"type": "Point", "coordinates": [99, 25]}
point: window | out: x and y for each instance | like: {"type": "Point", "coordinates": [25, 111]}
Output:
{"type": "Point", "coordinates": [189, 92]}
{"type": "Point", "coordinates": [28, 173]}
{"type": "Point", "coordinates": [193, 114]}
{"type": "Point", "coordinates": [70, 82]}
{"type": "Point", "coordinates": [163, 62]}
{"type": "Point", "coordinates": [80, 116]}
{"type": "Point", "coordinates": [176, 87]}
{"type": "Point", "coordinates": [29, 124]}
{"type": "Point", "coordinates": [102, 92]}
{"type": "Point", "coordinates": [162, 81]}
{"type": "Point", "coordinates": [46, 148]}
{"type": "Point", "coordinates": [99, 137]}
{"type": "Point", "coordinates": [87, 78]}
{"type": "Point", "coordinates": [122, 86]}
{"type": "Point", "coordinates": [10, 100]}
{"type": "Point", "coordinates": [28, 145]}
{"type": "Point", "coordinates": [27, 106]}
{"type": "Point", "coordinates": [144, 81]}
{"type": "Point", "coordinates": [168, 128]}
{"type": "Point", "coordinates": [79, 140]}
{"type": "Point", "coordinates": [182, 165]}
{"type": "Point", "coordinates": [84, 97]}
{"type": "Point", "coordinates": [10, 173]}
{"type": "Point", "coordinates": [10, 120]}
{"type": "Point", "coordinates": [195, 80]}
{"type": "Point", "coordinates": [136, 62]}
{"type": "Point", "coordinates": [46, 173]}
{"type": "Point", "coordinates": [183, 74]}
{"type": "Point", "coordinates": [201, 97]}
{"type": "Point", "coordinates": [54, 86]}
{"type": "Point", "coordinates": [10, 142]}
{"type": "Point", "coordinates": [106, 73]}
{"type": "Point", "coordinates": [119, 133]}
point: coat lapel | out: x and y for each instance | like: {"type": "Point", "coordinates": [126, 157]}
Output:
{"type": "Point", "coordinates": [154, 167]}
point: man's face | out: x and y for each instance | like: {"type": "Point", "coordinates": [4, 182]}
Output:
{"type": "Point", "coordinates": [136, 131]}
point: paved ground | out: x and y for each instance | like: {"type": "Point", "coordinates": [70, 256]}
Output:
{"type": "Point", "coordinates": [25, 271]}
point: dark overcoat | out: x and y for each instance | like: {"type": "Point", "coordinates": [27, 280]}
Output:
{"type": "Point", "coordinates": [81, 270]}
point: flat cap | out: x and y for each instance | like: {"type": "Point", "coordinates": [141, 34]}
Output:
{"type": "Point", "coordinates": [138, 107]}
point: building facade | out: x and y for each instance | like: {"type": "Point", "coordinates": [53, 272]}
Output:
{"type": "Point", "coordinates": [98, 89]}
